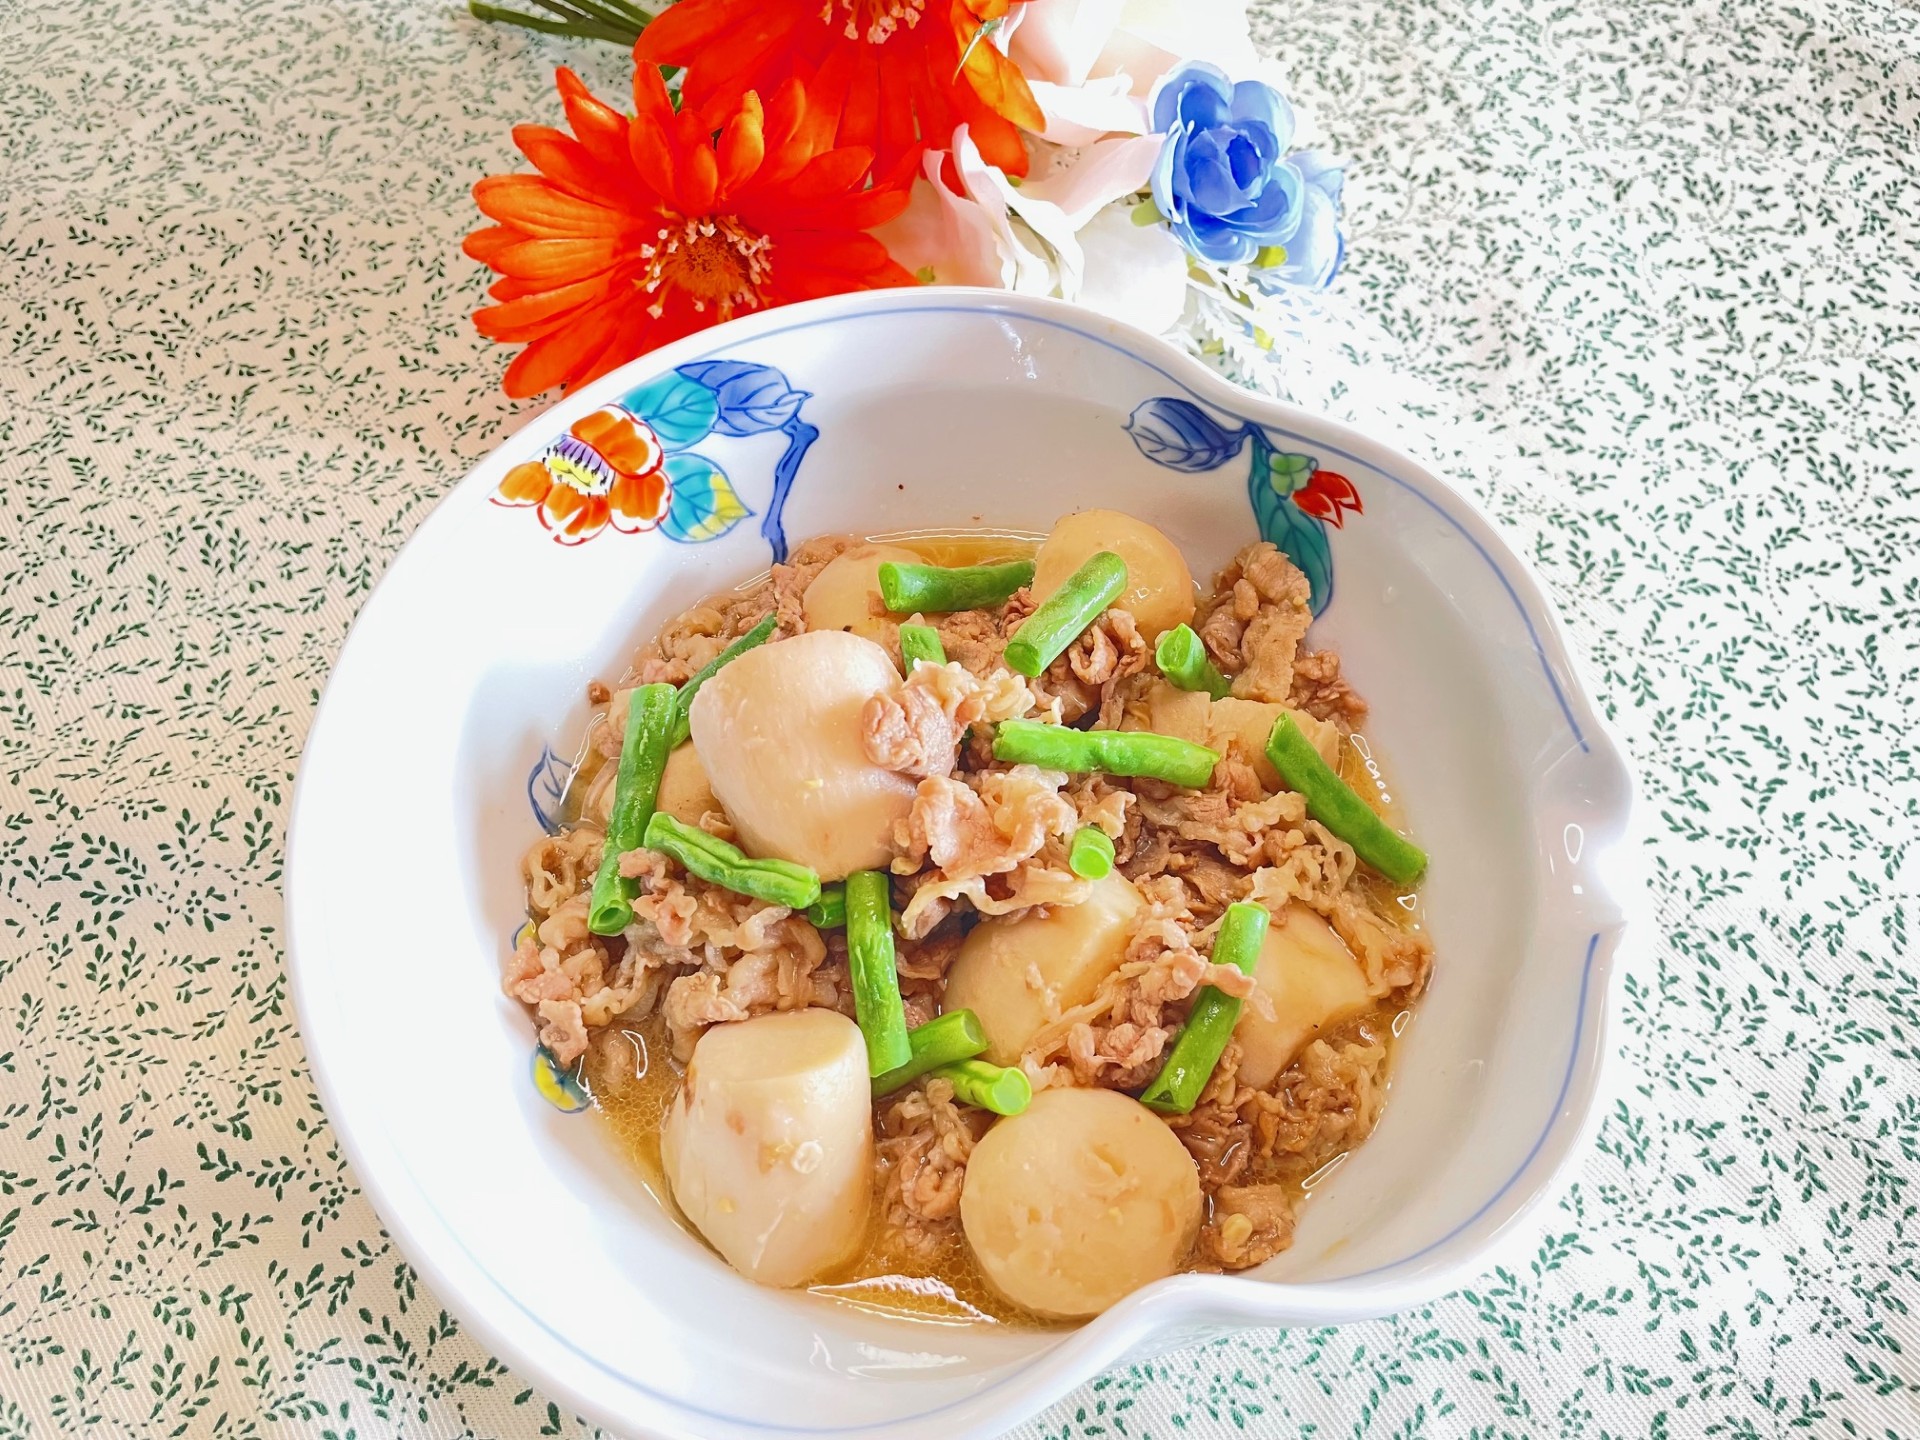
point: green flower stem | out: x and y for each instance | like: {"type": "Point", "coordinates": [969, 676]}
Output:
{"type": "Point", "coordinates": [575, 23]}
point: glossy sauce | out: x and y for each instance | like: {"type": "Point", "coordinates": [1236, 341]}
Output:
{"type": "Point", "coordinates": [632, 1077]}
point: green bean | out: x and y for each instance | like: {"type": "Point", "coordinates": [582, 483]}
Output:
{"type": "Point", "coordinates": [921, 642]}
{"type": "Point", "coordinates": [1176, 1089]}
{"type": "Point", "coordinates": [1090, 856]}
{"type": "Point", "coordinates": [829, 912]}
{"type": "Point", "coordinates": [1065, 613]}
{"type": "Point", "coordinates": [1183, 660]}
{"type": "Point", "coordinates": [1118, 752]}
{"type": "Point", "coordinates": [943, 1040]}
{"type": "Point", "coordinates": [1003, 1089]}
{"type": "Point", "coordinates": [876, 981]}
{"type": "Point", "coordinates": [930, 588]}
{"type": "Point", "coordinates": [1332, 802]}
{"type": "Point", "coordinates": [758, 635]}
{"type": "Point", "coordinates": [636, 785]}
{"type": "Point", "coordinates": [778, 882]}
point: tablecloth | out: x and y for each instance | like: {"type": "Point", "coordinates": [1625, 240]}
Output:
{"type": "Point", "coordinates": [1641, 275]}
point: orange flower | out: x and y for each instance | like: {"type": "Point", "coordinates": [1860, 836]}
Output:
{"type": "Point", "coordinates": [607, 470]}
{"type": "Point", "coordinates": [899, 74]}
{"type": "Point", "coordinates": [640, 230]}
{"type": "Point", "coordinates": [1328, 496]}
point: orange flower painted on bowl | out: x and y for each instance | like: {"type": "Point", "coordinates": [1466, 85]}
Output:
{"type": "Point", "coordinates": [890, 76]}
{"type": "Point", "coordinates": [607, 470]}
{"type": "Point", "coordinates": [640, 229]}
{"type": "Point", "coordinates": [1327, 496]}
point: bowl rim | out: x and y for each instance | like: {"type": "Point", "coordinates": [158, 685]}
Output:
{"type": "Point", "coordinates": [1216, 1301]}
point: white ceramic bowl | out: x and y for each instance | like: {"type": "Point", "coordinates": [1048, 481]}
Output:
{"type": "Point", "coordinates": [431, 759]}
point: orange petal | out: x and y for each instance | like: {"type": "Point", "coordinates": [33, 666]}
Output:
{"type": "Point", "coordinates": [628, 445]}
{"type": "Point", "coordinates": [742, 144]}
{"type": "Point", "coordinates": [684, 28]}
{"type": "Point", "coordinates": [698, 177]}
{"type": "Point", "coordinates": [786, 113]}
{"type": "Point", "coordinates": [996, 79]}
{"type": "Point", "coordinates": [572, 167]}
{"type": "Point", "coordinates": [998, 141]}
{"type": "Point", "coordinates": [638, 497]}
{"type": "Point", "coordinates": [558, 262]}
{"type": "Point", "coordinates": [587, 521]}
{"type": "Point", "coordinates": [484, 244]}
{"type": "Point", "coordinates": [651, 103]}
{"type": "Point", "coordinates": [539, 207]}
{"type": "Point", "coordinates": [559, 358]}
{"type": "Point", "coordinates": [601, 128]}
{"type": "Point", "coordinates": [500, 322]}
{"type": "Point", "coordinates": [525, 484]}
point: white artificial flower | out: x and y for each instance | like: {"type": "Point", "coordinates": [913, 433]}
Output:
{"type": "Point", "coordinates": [1022, 237]}
{"type": "Point", "coordinates": [1135, 273]}
{"type": "Point", "coordinates": [1092, 63]}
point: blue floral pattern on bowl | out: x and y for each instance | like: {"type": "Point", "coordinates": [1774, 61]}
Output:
{"type": "Point", "coordinates": [1294, 500]}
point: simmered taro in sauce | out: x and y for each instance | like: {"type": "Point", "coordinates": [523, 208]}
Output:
{"type": "Point", "coordinates": [729, 1042]}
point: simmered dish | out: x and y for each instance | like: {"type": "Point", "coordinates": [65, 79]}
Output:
{"type": "Point", "coordinates": [980, 931]}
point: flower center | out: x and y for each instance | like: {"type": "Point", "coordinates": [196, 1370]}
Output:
{"type": "Point", "coordinates": [715, 260]}
{"type": "Point", "coordinates": [872, 20]}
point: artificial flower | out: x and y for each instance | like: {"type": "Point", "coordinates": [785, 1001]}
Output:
{"type": "Point", "coordinates": [1314, 253]}
{"type": "Point", "coordinates": [1065, 231]}
{"type": "Point", "coordinates": [641, 229]}
{"type": "Point", "coordinates": [1092, 64]}
{"type": "Point", "coordinates": [1223, 180]}
{"type": "Point", "coordinates": [897, 74]}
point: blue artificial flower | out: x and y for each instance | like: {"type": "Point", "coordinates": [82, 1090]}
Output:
{"type": "Point", "coordinates": [1223, 179]}
{"type": "Point", "coordinates": [1317, 247]}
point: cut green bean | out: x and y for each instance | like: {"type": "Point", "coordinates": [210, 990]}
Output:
{"type": "Point", "coordinates": [778, 882]}
{"type": "Point", "coordinates": [1332, 802]}
{"type": "Point", "coordinates": [1182, 658]}
{"type": "Point", "coordinates": [636, 785]}
{"type": "Point", "coordinates": [1176, 1089]}
{"type": "Point", "coordinates": [829, 912]}
{"type": "Point", "coordinates": [1118, 752]}
{"type": "Point", "coordinates": [1003, 1089]}
{"type": "Point", "coordinates": [876, 980]}
{"type": "Point", "coordinates": [758, 635]}
{"type": "Point", "coordinates": [1090, 856]}
{"type": "Point", "coordinates": [921, 642]}
{"type": "Point", "coordinates": [943, 1040]}
{"type": "Point", "coordinates": [936, 588]}
{"type": "Point", "coordinates": [1066, 612]}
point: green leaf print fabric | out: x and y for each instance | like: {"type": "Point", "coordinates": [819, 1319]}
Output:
{"type": "Point", "coordinates": [1642, 275]}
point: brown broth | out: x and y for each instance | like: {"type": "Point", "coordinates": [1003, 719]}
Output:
{"type": "Point", "coordinates": [632, 1077]}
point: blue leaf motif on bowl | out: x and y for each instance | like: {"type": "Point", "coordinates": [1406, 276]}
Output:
{"type": "Point", "coordinates": [1295, 502]}
{"type": "Point", "coordinates": [1180, 435]}
{"type": "Point", "coordinates": [547, 788]}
